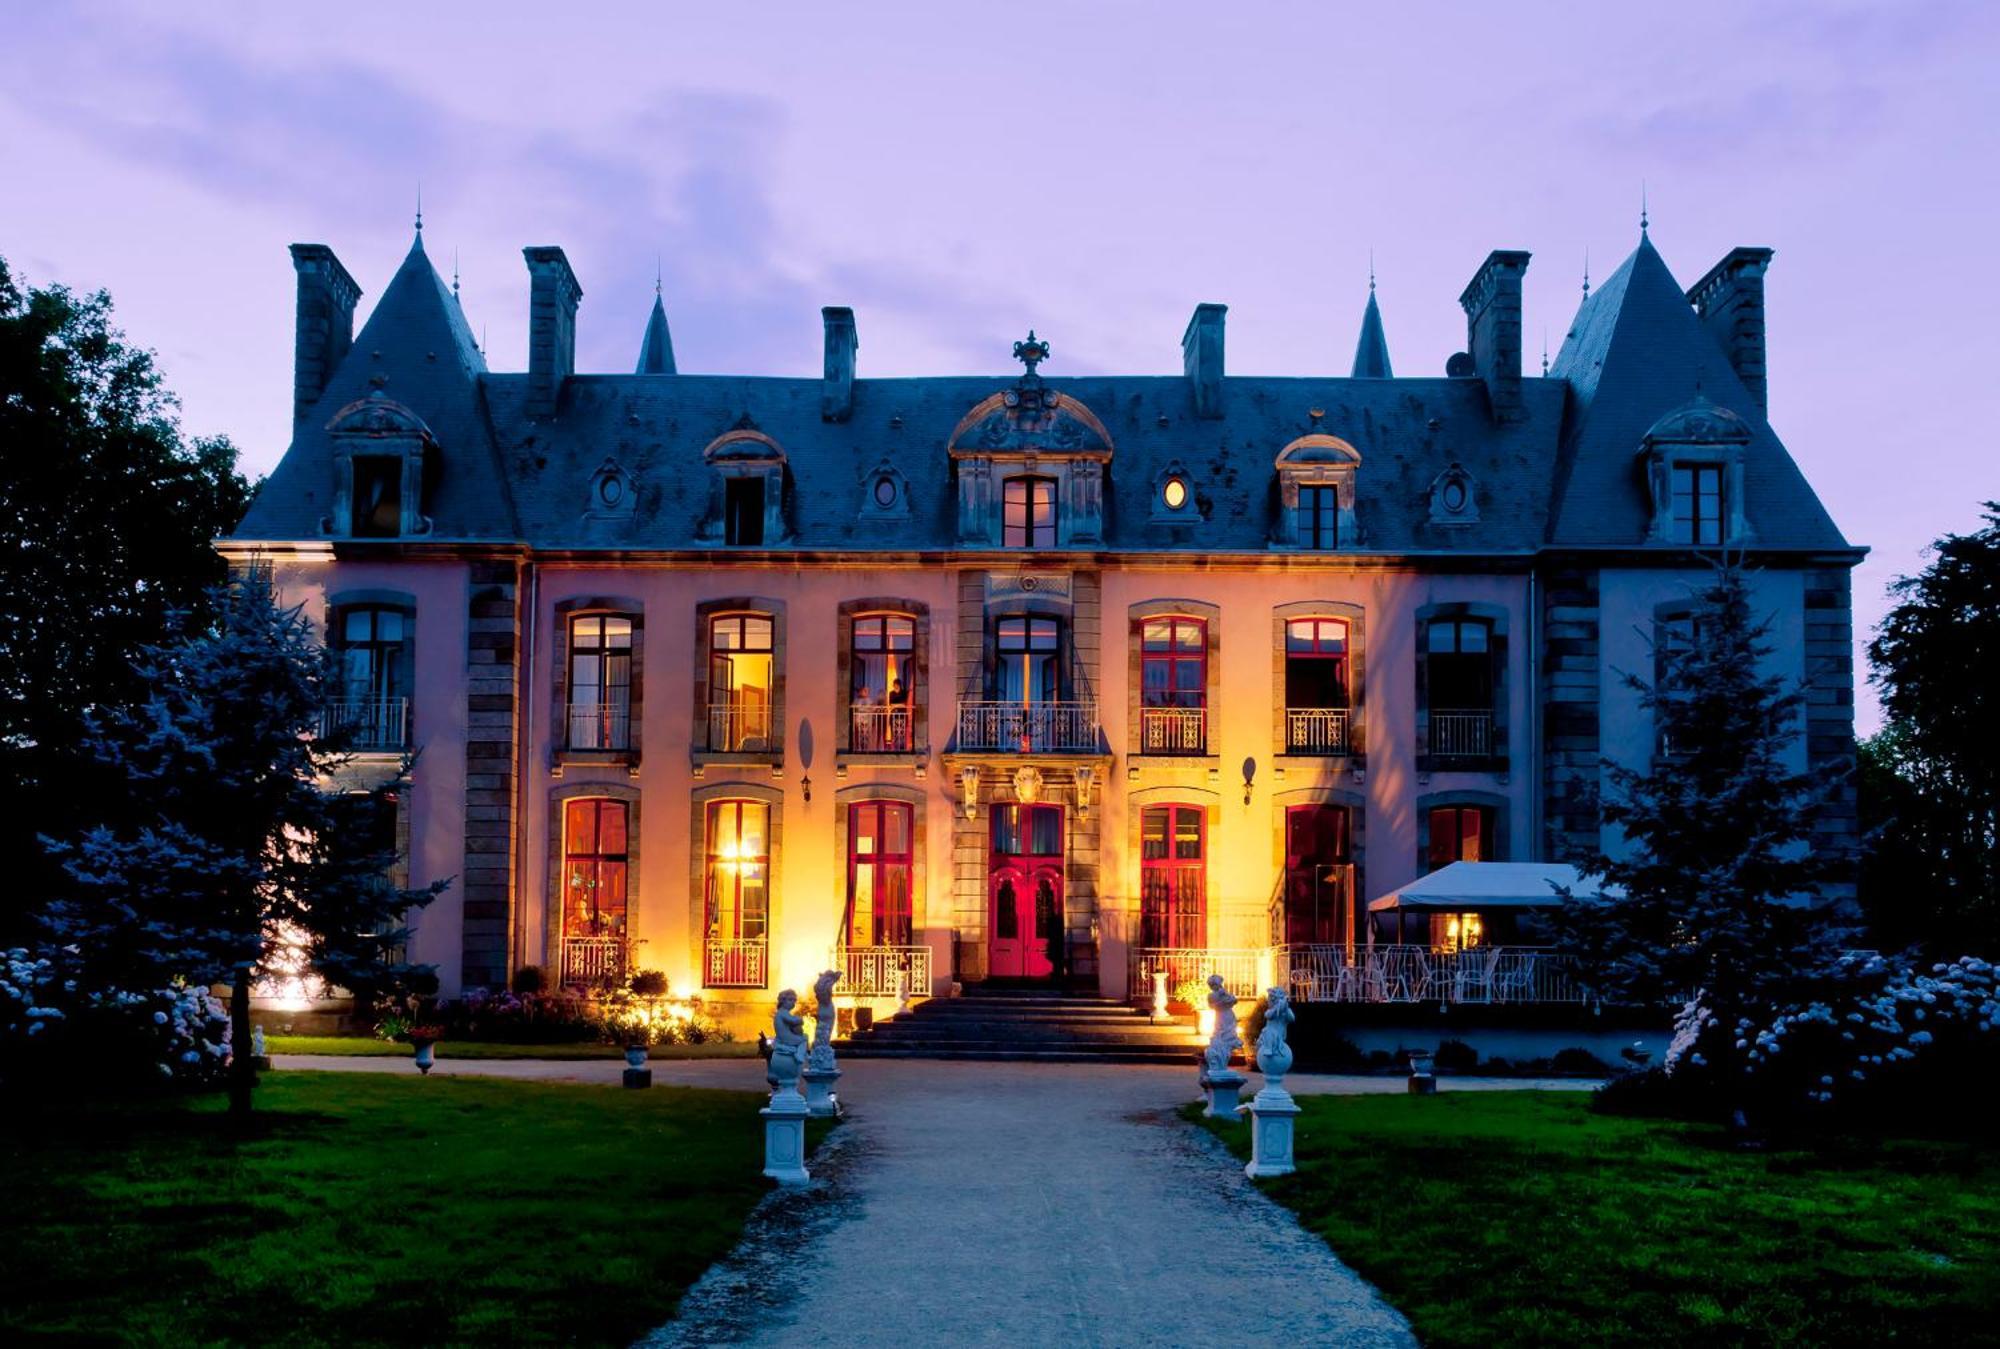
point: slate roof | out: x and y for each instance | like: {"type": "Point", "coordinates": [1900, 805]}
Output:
{"type": "Point", "coordinates": [1564, 473]}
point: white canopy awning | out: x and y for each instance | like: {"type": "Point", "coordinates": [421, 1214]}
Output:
{"type": "Point", "coordinates": [1466, 887]}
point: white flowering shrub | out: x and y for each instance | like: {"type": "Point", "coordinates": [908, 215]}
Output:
{"type": "Point", "coordinates": [1882, 1038]}
{"type": "Point", "coordinates": [29, 989]}
{"type": "Point", "coordinates": [49, 1029]}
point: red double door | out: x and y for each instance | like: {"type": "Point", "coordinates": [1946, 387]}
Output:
{"type": "Point", "coordinates": [1025, 892]}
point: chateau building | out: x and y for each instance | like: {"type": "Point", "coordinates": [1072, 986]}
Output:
{"type": "Point", "coordinates": [1016, 676]}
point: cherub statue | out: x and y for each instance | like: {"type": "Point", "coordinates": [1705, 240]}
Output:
{"type": "Point", "coordinates": [824, 1018]}
{"type": "Point", "coordinates": [1224, 1040]}
{"type": "Point", "coordinates": [788, 1044]}
{"type": "Point", "coordinates": [1274, 1056]}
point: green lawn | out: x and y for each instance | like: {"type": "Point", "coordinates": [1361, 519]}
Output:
{"type": "Point", "coordinates": [362, 1046]}
{"type": "Point", "coordinates": [1522, 1218]}
{"type": "Point", "coordinates": [372, 1209]}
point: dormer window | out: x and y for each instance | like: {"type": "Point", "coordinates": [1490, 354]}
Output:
{"type": "Point", "coordinates": [1028, 517]}
{"type": "Point", "coordinates": [378, 496]}
{"type": "Point", "coordinates": [743, 511]}
{"type": "Point", "coordinates": [747, 488]}
{"type": "Point", "coordinates": [1319, 517]}
{"type": "Point", "coordinates": [1693, 461]}
{"type": "Point", "coordinates": [1698, 504]}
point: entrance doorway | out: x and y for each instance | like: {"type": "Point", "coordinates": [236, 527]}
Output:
{"type": "Point", "coordinates": [1025, 894]}
{"type": "Point", "coordinates": [1319, 877]}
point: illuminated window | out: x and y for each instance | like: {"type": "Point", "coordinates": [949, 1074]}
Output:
{"type": "Point", "coordinates": [737, 895]}
{"type": "Point", "coordinates": [600, 682]}
{"type": "Point", "coordinates": [740, 683]}
{"type": "Point", "coordinates": [1175, 493]}
{"type": "Point", "coordinates": [1173, 685]}
{"type": "Point", "coordinates": [879, 859]}
{"type": "Point", "coordinates": [1028, 666]}
{"type": "Point", "coordinates": [594, 868]}
{"type": "Point", "coordinates": [1173, 877]}
{"type": "Point", "coordinates": [882, 658]}
{"type": "Point", "coordinates": [1028, 517]}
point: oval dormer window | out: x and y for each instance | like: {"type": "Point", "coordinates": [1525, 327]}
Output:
{"type": "Point", "coordinates": [1454, 495]}
{"type": "Point", "coordinates": [885, 491]}
{"type": "Point", "coordinates": [610, 490]}
{"type": "Point", "coordinates": [1175, 493]}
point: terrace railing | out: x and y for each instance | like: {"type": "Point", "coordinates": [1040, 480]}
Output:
{"type": "Point", "coordinates": [1028, 728]}
{"type": "Point", "coordinates": [1413, 973]}
{"type": "Point", "coordinates": [1242, 969]}
{"type": "Point", "coordinates": [879, 728]}
{"type": "Point", "coordinates": [739, 962]}
{"type": "Point", "coordinates": [599, 726]}
{"type": "Point", "coordinates": [1461, 735]}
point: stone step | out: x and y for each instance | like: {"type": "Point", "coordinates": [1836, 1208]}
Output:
{"type": "Point", "coordinates": [1007, 1051]}
{"type": "Point", "coordinates": [1009, 1035]}
{"type": "Point", "coordinates": [1076, 1016]}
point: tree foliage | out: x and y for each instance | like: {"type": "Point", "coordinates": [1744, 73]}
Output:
{"type": "Point", "coordinates": [1714, 894]}
{"type": "Point", "coordinates": [107, 519]}
{"type": "Point", "coordinates": [1930, 785]}
{"type": "Point", "coordinates": [243, 856]}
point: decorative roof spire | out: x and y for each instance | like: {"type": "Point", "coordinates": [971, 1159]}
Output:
{"type": "Point", "coordinates": [1032, 352]}
{"type": "Point", "coordinates": [454, 276]}
{"type": "Point", "coordinates": [1643, 215]}
{"type": "Point", "coordinates": [1371, 353]}
{"type": "Point", "coordinates": [420, 206]}
{"type": "Point", "coordinates": [656, 353]}
{"type": "Point", "coordinates": [1586, 271]}
{"type": "Point", "coordinates": [1545, 351]}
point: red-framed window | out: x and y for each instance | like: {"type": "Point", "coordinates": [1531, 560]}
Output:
{"type": "Point", "coordinates": [1173, 876]}
{"type": "Point", "coordinates": [1316, 662]}
{"type": "Point", "coordinates": [879, 860]}
{"type": "Point", "coordinates": [1460, 834]}
{"type": "Point", "coordinates": [1319, 875]}
{"type": "Point", "coordinates": [739, 870]}
{"type": "Point", "coordinates": [1698, 504]}
{"type": "Point", "coordinates": [1028, 513]}
{"type": "Point", "coordinates": [595, 864]}
{"type": "Point", "coordinates": [1173, 662]}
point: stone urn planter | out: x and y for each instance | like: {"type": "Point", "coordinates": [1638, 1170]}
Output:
{"type": "Point", "coordinates": [425, 1056]}
{"type": "Point", "coordinates": [635, 1056]}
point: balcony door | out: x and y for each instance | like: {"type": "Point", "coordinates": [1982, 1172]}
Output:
{"type": "Point", "coordinates": [1025, 893]}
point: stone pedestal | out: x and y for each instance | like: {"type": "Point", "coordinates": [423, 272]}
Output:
{"type": "Point", "coordinates": [638, 1077]}
{"type": "Point", "coordinates": [785, 1138]}
{"type": "Point", "coordinates": [1222, 1090]}
{"type": "Point", "coordinates": [821, 1102]}
{"type": "Point", "coordinates": [1272, 1113]}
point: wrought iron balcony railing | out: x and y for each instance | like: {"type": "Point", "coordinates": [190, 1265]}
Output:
{"type": "Point", "coordinates": [1461, 735]}
{"type": "Point", "coordinates": [738, 962]}
{"type": "Point", "coordinates": [1173, 730]}
{"type": "Point", "coordinates": [1028, 728]}
{"type": "Point", "coordinates": [368, 723]}
{"type": "Point", "coordinates": [886, 971]}
{"type": "Point", "coordinates": [592, 962]}
{"type": "Point", "coordinates": [879, 728]}
{"type": "Point", "coordinates": [1316, 730]}
{"type": "Point", "coordinates": [599, 726]}
{"type": "Point", "coordinates": [740, 728]}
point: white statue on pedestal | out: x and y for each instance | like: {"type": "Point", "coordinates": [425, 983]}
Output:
{"type": "Point", "coordinates": [1274, 1056]}
{"type": "Point", "coordinates": [824, 1018]}
{"type": "Point", "coordinates": [788, 1045]}
{"type": "Point", "coordinates": [1223, 1041]}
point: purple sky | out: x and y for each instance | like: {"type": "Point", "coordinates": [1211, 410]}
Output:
{"type": "Point", "coordinates": [1092, 170]}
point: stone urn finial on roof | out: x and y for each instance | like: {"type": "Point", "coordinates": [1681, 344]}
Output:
{"type": "Point", "coordinates": [1031, 352]}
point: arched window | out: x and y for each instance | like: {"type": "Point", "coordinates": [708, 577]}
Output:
{"type": "Point", "coordinates": [737, 893]}
{"type": "Point", "coordinates": [879, 858]}
{"type": "Point", "coordinates": [1028, 513]}
{"type": "Point", "coordinates": [1173, 877]}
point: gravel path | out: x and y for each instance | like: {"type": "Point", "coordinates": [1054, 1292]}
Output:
{"type": "Point", "coordinates": [1010, 1203]}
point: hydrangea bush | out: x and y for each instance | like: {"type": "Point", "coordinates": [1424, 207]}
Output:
{"type": "Point", "coordinates": [177, 1036]}
{"type": "Point", "coordinates": [1882, 1037]}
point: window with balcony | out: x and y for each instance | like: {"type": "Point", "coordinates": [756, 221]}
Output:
{"type": "Point", "coordinates": [600, 682]}
{"type": "Point", "coordinates": [883, 675]}
{"type": "Point", "coordinates": [1697, 504]}
{"type": "Point", "coordinates": [741, 667]}
{"type": "Point", "coordinates": [596, 860]}
{"type": "Point", "coordinates": [1458, 669]}
{"type": "Point", "coordinates": [1027, 707]}
{"type": "Point", "coordinates": [736, 894]}
{"type": "Point", "coordinates": [1173, 877]}
{"type": "Point", "coordinates": [373, 658]}
{"type": "Point", "coordinates": [1319, 517]}
{"type": "Point", "coordinates": [1173, 686]}
{"type": "Point", "coordinates": [1028, 513]}
{"type": "Point", "coordinates": [879, 859]}
{"type": "Point", "coordinates": [1317, 707]}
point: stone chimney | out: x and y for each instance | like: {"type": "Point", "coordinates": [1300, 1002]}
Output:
{"type": "Point", "coordinates": [836, 390]}
{"type": "Point", "coordinates": [1730, 301]}
{"type": "Point", "coordinates": [325, 325]}
{"type": "Point", "coordinates": [1492, 304]}
{"type": "Point", "coordinates": [1201, 358]}
{"type": "Point", "coordinates": [553, 295]}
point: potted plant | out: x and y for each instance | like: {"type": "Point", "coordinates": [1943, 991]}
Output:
{"type": "Point", "coordinates": [422, 1039]}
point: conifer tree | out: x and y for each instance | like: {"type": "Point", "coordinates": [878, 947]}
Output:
{"type": "Point", "coordinates": [1714, 896]}
{"type": "Point", "coordinates": [245, 858]}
